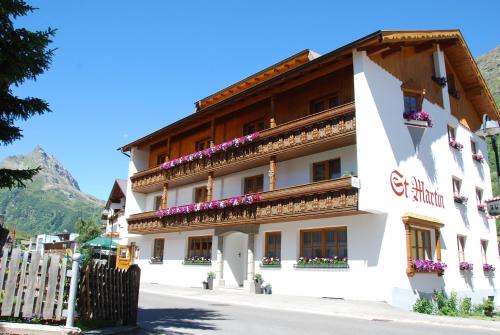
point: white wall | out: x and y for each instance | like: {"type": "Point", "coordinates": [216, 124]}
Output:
{"type": "Point", "coordinates": [385, 144]}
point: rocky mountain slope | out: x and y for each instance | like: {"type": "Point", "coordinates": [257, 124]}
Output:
{"type": "Point", "coordinates": [489, 64]}
{"type": "Point", "coordinates": [53, 202]}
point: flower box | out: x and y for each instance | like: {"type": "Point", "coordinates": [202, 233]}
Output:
{"type": "Point", "coordinates": [247, 199]}
{"type": "Point", "coordinates": [270, 262]}
{"type": "Point", "coordinates": [428, 266]}
{"type": "Point", "coordinates": [322, 262]}
{"type": "Point", "coordinates": [488, 267]}
{"type": "Point", "coordinates": [466, 266]}
{"type": "Point", "coordinates": [197, 261]}
{"type": "Point", "coordinates": [455, 144]}
{"type": "Point", "coordinates": [155, 260]}
{"type": "Point", "coordinates": [460, 199]}
{"type": "Point", "coordinates": [478, 158]}
{"type": "Point", "coordinates": [417, 119]}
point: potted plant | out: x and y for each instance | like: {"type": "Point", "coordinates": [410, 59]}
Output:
{"type": "Point", "coordinates": [466, 266]}
{"type": "Point", "coordinates": [460, 199]}
{"type": "Point", "coordinates": [258, 283]}
{"type": "Point", "coordinates": [428, 266]}
{"type": "Point", "coordinates": [457, 145]}
{"type": "Point", "coordinates": [481, 208]}
{"type": "Point", "coordinates": [271, 262]}
{"type": "Point", "coordinates": [156, 260]}
{"type": "Point", "coordinates": [441, 81]}
{"type": "Point", "coordinates": [454, 93]}
{"type": "Point", "coordinates": [478, 158]}
{"type": "Point", "coordinates": [210, 280]}
{"type": "Point", "coordinates": [488, 268]}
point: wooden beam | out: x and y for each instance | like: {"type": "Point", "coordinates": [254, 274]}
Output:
{"type": "Point", "coordinates": [212, 132]}
{"type": "Point", "coordinates": [210, 186]}
{"type": "Point", "coordinates": [272, 121]}
{"type": "Point", "coordinates": [164, 196]}
{"type": "Point", "coordinates": [391, 51]}
{"type": "Point", "coordinates": [422, 47]}
{"type": "Point", "coordinates": [272, 173]}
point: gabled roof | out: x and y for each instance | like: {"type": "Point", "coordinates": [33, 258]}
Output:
{"type": "Point", "coordinates": [306, 61]}
{"type": "Point", "coordinates": [118, 191]}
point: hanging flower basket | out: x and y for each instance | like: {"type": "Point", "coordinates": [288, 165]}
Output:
{"type": "Point", "coordinates": [466, 266]}
{"type": "Point", "coordinates": [478, 158]}
{"type": "Point", "coordinates": [417, 119]}
{"type": "Point", "coordinates": [428, 266]}
{"type": "Point", "coordinates": [237, 142]}
{"type": "Point", "coordinates": [488, 267]}
{"type": "Point", "coordinates": [457, 145]}
{"type": "Point", "coordinates": [481, 208]}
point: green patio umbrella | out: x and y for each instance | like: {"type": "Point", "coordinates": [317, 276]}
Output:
{"type": "Point", "coordinates": [101, 242]}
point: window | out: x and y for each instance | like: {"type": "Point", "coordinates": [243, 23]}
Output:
{"type": "Point", "coordinates": [202, 144]}
{"type": "Point", "coordinates": [158, 202]}
{"type": "Point", "coordinates": [253, 127]}
{"type": "Point", "coordinates": [161, 158]}
{"type": "Point", "coordinates": [420, 243]}
{"type": "Point", "coordinates": [200, 194]}
{"type": "Point", "coordinates": [473, 147]}
{"type": "Point", "coordinates": [457, 184]}
{"type": "Point", "coordinates": [451, 133]}
{"type": "Point", "coordinates": [461, 248]}
{"type": "Point", "coordinates": [324, 243]}
{"type": "Point", "coordinates": [200, 247]}
{"type": "Point", "coordinates": [254, 184]}
{"type": "Point", "coordinates": [326, 170]}
{"type": "Point", "coordinates": [324, 104]}
{"type": "Point", "coordinates": [411, 102]}
{"type": "Point", "coordinates": [479, 196]}
{"type": "Point", "coordinates": [484, 249]}
{"type": "Point", "coordinates": [158, 248]}
{"type": "Point", "coordinates": [273, 244]}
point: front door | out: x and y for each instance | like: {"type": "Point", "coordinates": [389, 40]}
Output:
{"type": "Point", "coordinates": [235, 259]}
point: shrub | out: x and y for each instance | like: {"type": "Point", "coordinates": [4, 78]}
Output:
{"type": "Point", "coordinates": [424, 306]}
{"type": "Point", "coordinates": [446, 305]}
{"type": "Point", "coordinates": [488, 307]}
{"type": "Point", "coordinates": [466, 306]}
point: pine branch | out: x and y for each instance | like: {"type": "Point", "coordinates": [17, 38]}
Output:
{"type": "Point", "coordinates": [16, 178]}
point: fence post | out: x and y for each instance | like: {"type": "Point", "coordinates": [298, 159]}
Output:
{"type": "Point", "coordinates": [75, 267]}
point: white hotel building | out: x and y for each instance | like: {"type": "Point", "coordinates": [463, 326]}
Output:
{"type": "Point", "coordinates": [341, 169]}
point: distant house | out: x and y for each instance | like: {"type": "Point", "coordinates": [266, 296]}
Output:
{"type": "Point", "coordinates": [115, 223]}
{"type": "Point", "coordinates": [57, 243]}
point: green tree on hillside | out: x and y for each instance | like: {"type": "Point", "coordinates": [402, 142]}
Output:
{"type": "Point", "coordinates": [87, 230]}
{"type": "Point", "coordinates": [24, 55]}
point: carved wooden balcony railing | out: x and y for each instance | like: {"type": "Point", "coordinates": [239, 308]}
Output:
{"type": "Point", "coordinates": [321, 199]}
{"type": "Point", "coordinates": [332, 128]}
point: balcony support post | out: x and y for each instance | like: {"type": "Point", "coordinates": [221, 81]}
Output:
{"type": "Point", "coordinates": [210, 186]}
{"type": "Point", "coordinates": [249, 282]}
{"type": "Point", "coordinates": [167, 157]}
{"type": "Point", "coordinates": [272, 121]}
{"type": "Point", "coordinates": [164, 196]}
{"type": "Point", "coordinates": [272, 173]}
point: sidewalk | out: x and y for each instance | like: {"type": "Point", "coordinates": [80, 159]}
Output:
{"type": "Point", "coordinates": [368, 310]}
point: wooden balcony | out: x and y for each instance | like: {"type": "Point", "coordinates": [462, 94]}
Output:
{"type": "Point", "coordinates": [329, 129]}
{"type": "Point", "coordinates": [311, 201]}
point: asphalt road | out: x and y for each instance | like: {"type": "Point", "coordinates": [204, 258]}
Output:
{"type": "Point", "coordinates": [179, 316]}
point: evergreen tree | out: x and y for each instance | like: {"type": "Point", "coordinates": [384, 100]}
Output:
{"type": "Point", "coordinates": [24, 55]}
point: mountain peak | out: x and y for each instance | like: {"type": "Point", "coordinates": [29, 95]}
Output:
{"type": "Point", "coordinates": [53, 173]}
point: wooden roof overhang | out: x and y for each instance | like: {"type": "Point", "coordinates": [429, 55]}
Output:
{"type": "Point", "coordinates": [306, 66]}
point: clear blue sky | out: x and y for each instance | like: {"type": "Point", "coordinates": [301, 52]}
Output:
{"type": "Point", "coordinates": [126, 68]}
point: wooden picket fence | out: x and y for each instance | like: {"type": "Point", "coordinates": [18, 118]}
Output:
{"type": "Point", "coordinates": [32, 284]}
{"type": "Point", "coordinates": [109, 294]}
